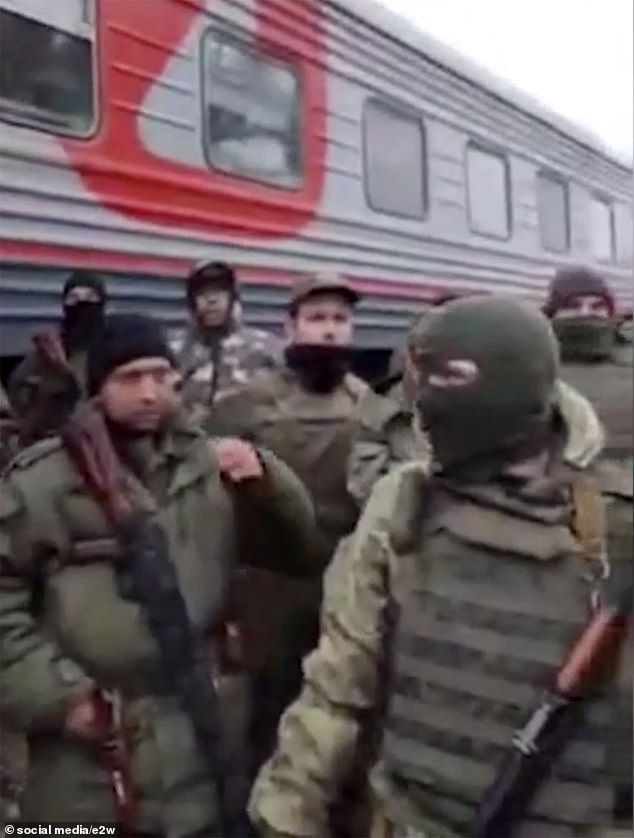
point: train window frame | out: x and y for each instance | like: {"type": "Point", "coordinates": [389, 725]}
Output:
{"type": "Point", "coordinates": [500, 154]}
{"type": "Point", "coordinates": [557, 179]}
{"type": "Point", "coordinates": [92, 13]}
{"type": "Point", "coordinates": [276, 56]}
{"type": "Point", "coordinates": [601, 198]}
{"type": "Point", "coordinates": [400, 110]}
{"type": "Point", "coordinates": [618, 257]}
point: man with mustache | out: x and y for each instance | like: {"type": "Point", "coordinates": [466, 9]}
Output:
{"type": "Point", "coordinates": [76, 629]}
{"type": "Point", "coordinates": [305, 413]}
{"type": "Point", "coordinates": [45, 387]}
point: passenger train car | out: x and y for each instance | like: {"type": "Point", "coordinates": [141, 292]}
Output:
{"type": "Point", "coordinates": [138, 136]}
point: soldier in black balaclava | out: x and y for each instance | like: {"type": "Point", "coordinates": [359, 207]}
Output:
{"type": "Point", "coordinates": [47, 384]}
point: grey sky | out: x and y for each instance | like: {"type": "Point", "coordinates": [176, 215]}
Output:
{"type": "Point", "coordinates": [575, 56]}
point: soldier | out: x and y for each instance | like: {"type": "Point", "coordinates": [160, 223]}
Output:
{"type": "Point", "coordinates": [91, 604]}
{"type": "Point", "coordinates": [388, 433]}
{"type": "Point", "coordinates": [466, 587]}
{"type": "Point", "coordinates": [45, 387]}
{"type": "Point", "coordinates": [218, 352]}
{"type": "Point", "coordinates": [582, 311]}
{"type": "Point", "coordinates": [304, 412]}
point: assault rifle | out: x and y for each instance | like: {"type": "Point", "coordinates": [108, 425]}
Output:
{"type": "Point", "coordinates": [148, 576]}
{"type": "Point", "coordinates": [588, 667]}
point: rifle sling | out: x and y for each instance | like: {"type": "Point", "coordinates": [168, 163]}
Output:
{"type": "Point", "coordinates": [147, 575]}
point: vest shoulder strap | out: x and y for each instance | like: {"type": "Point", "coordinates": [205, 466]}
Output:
{"type": "Point", "coordinates": [589, 517]}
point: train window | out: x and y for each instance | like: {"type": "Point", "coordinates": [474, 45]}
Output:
{"type": "Point", "coordinates": [252, 112]}
{"type": "Point", "coordinates": [488, 192]}
{"type": "Point", "coordinates": [46, 64]}
{"type": "Point", "coordinates": [394, 150]}
{"type": "Point", "coordinates": [624, 233]}
{"type": "Point", "coordinates": [601, 229]}
{"type": "Point", "coordinates": [553, 213]}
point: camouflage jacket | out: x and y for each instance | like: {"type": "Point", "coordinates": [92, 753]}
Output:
{"type": "Point", "coordinates": [388, 434]}
{"type": "Point", "coordinates": [319, 734]}
{"type": "Point", "coordinates": [45, 387]}
{"type": "Point", "coordinates": [212, 370]}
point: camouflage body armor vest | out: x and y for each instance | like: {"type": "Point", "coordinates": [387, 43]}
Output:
{"type": "Point", "coordinates": [486, 605]}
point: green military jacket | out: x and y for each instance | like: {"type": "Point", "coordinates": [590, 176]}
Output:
{"type": "Point", "coordinates": [311, 433]}
{"type": "Point", "coordinates": [64, 625]}
{"type": "Point", "coordinates": [388, 434]}
{"type": "Point", "coordinates": [319, 734]}
{"type": "Point", "coordinates": [45, 387]}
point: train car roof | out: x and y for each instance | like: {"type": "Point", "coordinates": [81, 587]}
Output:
{"type": "Point", "coordinates": [396, 26]}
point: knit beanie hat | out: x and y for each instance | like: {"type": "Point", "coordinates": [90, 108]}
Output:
{"type": "Point", "coordinates": [85, 279]}
{"type": "Point", "coordinates": [124, 338]}
{"type": "Point", "coordinates": [576, 282]}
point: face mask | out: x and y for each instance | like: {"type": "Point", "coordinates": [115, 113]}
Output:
{"type": "Point", "coordinates": [80, 323]}
{"type": "Point", "coordinates": [584, 338]}
{"type": "Point", "coordinates": [320, 367]}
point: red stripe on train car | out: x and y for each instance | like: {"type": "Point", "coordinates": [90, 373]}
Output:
{"type": "Point", "coordinates": [136, 41]}
{"type": "Point", "coordinates": [13, 251]}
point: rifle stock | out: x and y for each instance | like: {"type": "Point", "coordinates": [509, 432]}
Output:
{"type": "Point", "coordinates": [587, 668]}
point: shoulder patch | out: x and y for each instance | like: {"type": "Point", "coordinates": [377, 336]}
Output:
{"type": "Point", "coordinates": [38, 451]}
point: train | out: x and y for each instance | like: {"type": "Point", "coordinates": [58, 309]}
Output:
{"type": "Point", "coordinates": [283, 136]}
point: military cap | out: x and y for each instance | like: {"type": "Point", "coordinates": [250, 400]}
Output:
{"type": "Point", "coordinates": [322, 283]}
